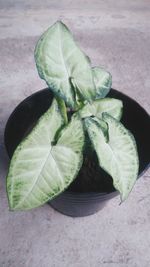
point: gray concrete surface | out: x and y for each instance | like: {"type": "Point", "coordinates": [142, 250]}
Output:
{"type": "Point", "coordinates": [116, 35]}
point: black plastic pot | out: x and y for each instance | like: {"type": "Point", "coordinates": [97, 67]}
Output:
{"type": "Point", "coordinates": [76, 201]}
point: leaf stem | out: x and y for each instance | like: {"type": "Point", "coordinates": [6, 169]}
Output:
{"type": "Point", "coordinates": [63, 109]}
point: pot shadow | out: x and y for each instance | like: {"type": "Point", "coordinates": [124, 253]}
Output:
{"type": "Point", "coordinates": [4, 163]}
{"type": "Point", "coordinates": [4, 160]}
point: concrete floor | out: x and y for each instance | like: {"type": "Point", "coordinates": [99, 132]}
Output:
{"type": "Point", "coordinates": [116, 35]}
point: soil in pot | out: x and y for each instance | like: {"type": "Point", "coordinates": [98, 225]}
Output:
{"type": "Point", "coordinates": [91, 177]}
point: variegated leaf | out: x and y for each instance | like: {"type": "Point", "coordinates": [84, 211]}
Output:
{"type": "Point", "coordinates": [117, 155]}
{"type": "Point", "coordinates": [103, 82]}
{"type": "Point", "coordinates": [112, 106]}
{"type": "Point", "coordinates": [64, 67]}
{"type": "Point", "coordinates": [41, 166]}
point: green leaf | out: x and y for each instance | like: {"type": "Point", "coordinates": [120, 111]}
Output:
{"type": "Point", "coordinates": [63, 65]}
{"type": "Point", "coordinates": [117, 155]}
{"type": "Point", "coordinates": [103, 126]}
{"type": "Point", "coordinates": [112, 106]}
{"type": "Point", "coordinates": [103, 82]}
{"type": "Point", "coordinates": [39, 170]}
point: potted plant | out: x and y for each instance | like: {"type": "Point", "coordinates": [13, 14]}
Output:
{"type": "Point", "coordinates": [72, 137]}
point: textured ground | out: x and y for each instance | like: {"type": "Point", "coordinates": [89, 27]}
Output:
{"type": "Point", "coordinates": [116, 35]}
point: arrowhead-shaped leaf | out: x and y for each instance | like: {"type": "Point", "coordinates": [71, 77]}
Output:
{"type": "Point", "coordinates": [117, 155]}
{"type": "Point", "coordinates": [40, 170]}
{"type": "Point", "coordinates": [103, 82]}
{"type": "Point", "coordinates": [63, 65]}
{"type": "Point", "coordinates": [96, 108]}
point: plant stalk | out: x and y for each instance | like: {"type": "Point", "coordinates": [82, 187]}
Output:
{"type": "Point", "coordinates": [63, 109]}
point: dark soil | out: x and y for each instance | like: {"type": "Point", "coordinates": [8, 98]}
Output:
{"type": "Point", "coordinates": [91, 177]}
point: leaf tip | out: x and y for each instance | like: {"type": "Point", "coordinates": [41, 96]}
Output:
{"type": "Point", "coordinates": [10, 206]}
{"type": "Point", "coordinates": [122, 200]}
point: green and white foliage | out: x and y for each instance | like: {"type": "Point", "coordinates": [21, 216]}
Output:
{"type": "Point", "coordinates": [39, 169]}
{"type": "Point", "coordinates": [103, 82]}
{"type": "Point", "coordinates": [50, 156]}
{"type": "Point", "coordinates": [112, 106]}
{"type": "Point", "coordinates": [117, 154]}
{"type": "Point", "coordinates": [63, 65]}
